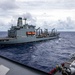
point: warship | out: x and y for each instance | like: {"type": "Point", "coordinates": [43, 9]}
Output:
{"type": "Point", "coordinates": [23, 33]}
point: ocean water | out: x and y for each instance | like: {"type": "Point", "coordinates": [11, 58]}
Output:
{"type": "Point", "coordinates": [42, 55]}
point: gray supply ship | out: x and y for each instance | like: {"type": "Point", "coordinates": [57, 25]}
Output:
{"type": "Point", "coordinates": [27, 33]}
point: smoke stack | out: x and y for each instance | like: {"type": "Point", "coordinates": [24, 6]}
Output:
{"type": "Point", "coordinates": [19, 23]}
{"type": "Point", "coordinates": [25, 20]}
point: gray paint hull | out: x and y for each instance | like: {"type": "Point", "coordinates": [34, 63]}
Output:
{"type": "Point", "coordinates": [25, 40]}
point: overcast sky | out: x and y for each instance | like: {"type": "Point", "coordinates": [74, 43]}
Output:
{"type": "Point", "coordinates": [59, 14]}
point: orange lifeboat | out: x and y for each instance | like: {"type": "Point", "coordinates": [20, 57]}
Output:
{"type": "Point", "coordinates": [33, 33]}
{"type": "Point", "coordinates": [30, 33]}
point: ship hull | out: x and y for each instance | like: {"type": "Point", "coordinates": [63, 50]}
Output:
{"type": "Point", "coordinates": [26, 40]}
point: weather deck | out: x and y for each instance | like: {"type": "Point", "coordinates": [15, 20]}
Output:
{"type": "Point", "coordinates": [5, 38]}
{"type": "Point", "coordinates": [17, 69]}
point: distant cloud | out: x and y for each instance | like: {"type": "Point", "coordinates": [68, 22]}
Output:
{"type": "Point", "coordinates": [30, 18]}
{"type": "Point", "coordinates": [4, 26]}
{"type": "Point", "coordinates": [8, 5]}
{"type": "Point", "coordinates": [61, 25]}
{"type": "Point", "coordinates": [52, 9]}
{"type": "Point", "coordinates": [49, 4]}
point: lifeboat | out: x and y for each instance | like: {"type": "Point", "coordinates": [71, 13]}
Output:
{"type": "Point", "coordinates": [30, 33]}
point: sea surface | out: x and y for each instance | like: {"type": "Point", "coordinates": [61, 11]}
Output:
{"type": "Point", "coordinates": [42, 55]}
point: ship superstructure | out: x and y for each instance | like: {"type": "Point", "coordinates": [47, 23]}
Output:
{"type": "Point", "coordinates": [21, 30]}
{"type": "Point", "coordinates": [27, 33]}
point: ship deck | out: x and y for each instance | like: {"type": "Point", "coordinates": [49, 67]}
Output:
{"type": "Point", "coordinates": [5, 38]}
{"type": "Point", "coordinates": [17, 69]}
